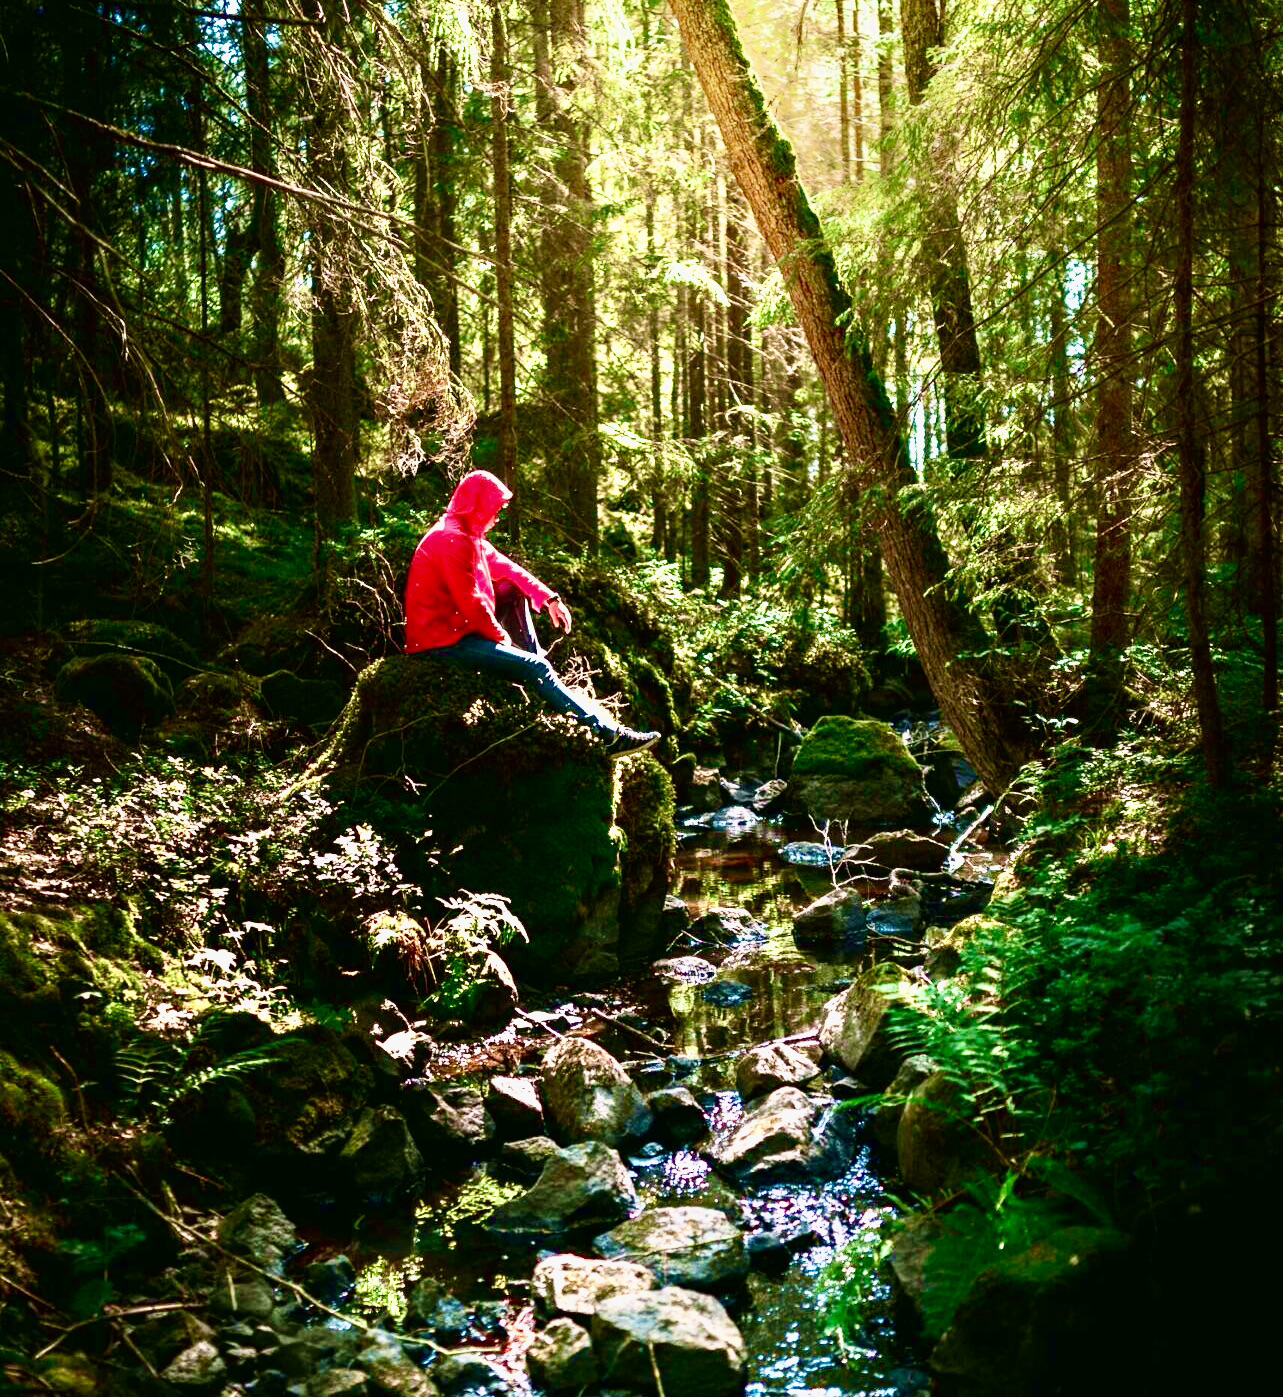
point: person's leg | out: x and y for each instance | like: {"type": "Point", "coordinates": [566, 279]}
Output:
{"type": "Point", "coordinates": [525, 668]}
{"type": "Point", "coordinates": [512, 611]}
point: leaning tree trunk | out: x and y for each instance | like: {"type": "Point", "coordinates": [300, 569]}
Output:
{"type": "Point", "coordinates": [499, 79]}
{"type": "Point", "coordinates": [978, 704]}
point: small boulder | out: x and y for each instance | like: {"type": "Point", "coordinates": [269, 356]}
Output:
{"type": "Point", "coordinates": [199, 1368]}
{"type": "Point", "coordinates": [686, 1337]}
{"type": "Point", "coordinates": [561, 1358]}
{"type": "Point", "coordinates": [686, 970]}
{"type": "Point", "coordinates": [385, 1163]}
{"type": "Point", "coordinates": [835, 917]}
{"type": "Point", "coordinates": [705, 794]}
{"type": "Point", "coordinates": [588, 1095]}
{"type": "Point", "coordinates": [526, 1158]}
{"type": "Point", "coordinates": [248, 1298]}
{"type": "Point", "coordinates": [128, 692]}
{"type": "Point", "coordinates": [886, 1118]}
{"type": "Point", "coordinates": [769, 1253]}
{"type": "Point", "coordinates": [450, 1124]}
{"type": "Point", "coordinates": [259, 1231]}
{"type": "Point", "coordinates": [769, 797]}
{"type": "Point", "coordinates": [774, 1142]}
{"type": "Point", "coordinates": [857, 770]}
{"type": "Point", "coordinates": [724, 926]}
{"type": "Point", "coordinates": [699, 1248]}
{"type": "Point", "coordinates": [673, 919]}
{"type": "Point", "coordinates": [460, 1373]}
{"type": "Point", "coordinates": [856, 1032]}
{"type": "Point", "coordinates": [936, 1144]}
{"type": "Point", "coordinates": [576, 1285]}
{"type": "Point", "coordinates": [678, 1118]}
{"type": "Point", "coordinates": [583, 1186]}
{"type": "Point", "coordinates": [337, 1382]}
{"type": "Point", "coordinates": [904, 849]}
{"type": "Point", "coordinates": [772, 1065]}
{"type": "Point", "coordinates": [514, 1106]}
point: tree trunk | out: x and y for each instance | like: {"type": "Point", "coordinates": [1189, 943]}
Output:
{"type": "Point", "coordinates": [264, 233]}
{"type": "Point", "coordinates": [945, 256]}
{"type": "Point", "coordinates": [980, 706]}
{"type": "Point", "coordinates": [499, 77]}
{"type": "Point", "coordinates": [1189, 449]}
{"type": "Point", "coordinates": [1115, 447]}
{"type": "Point", "coordinates": [569, 326]}
{"type": "Point", "coordinates": [1262, 549]}
{"type": "Point", "coordinates": [1062, 437]}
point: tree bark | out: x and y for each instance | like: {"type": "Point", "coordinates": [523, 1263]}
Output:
{"type": "Point", "coordinates": [1115, 447]}
{"type": "Point", "coordinates": [945, 255]}
{"type": "Point", "coordinates": [1189, 449]}
{"type": "Point", "coordinates": [264, 232]}
{"type": "Point", "coordinates": [569, 322]}
{"type": "Point", "coordinates": [977, 704]}
{"type": "Point", "coordinates": [499, 76]}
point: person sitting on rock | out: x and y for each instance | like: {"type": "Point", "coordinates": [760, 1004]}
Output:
{"type": "Point", "coordinates": [460, 585]}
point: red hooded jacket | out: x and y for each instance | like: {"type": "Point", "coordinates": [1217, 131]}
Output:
{"type": "Point", "coordinates": [450, 592]}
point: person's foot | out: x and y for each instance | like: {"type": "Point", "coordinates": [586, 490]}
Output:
{"type": "Point", "coordinates": [625, 740]}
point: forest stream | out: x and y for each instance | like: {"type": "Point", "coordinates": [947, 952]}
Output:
{"type": "Point", "coordinates": [713, 1001]}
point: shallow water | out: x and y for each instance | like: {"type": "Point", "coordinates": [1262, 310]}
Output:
{"type": "Point", "coordinates": [764, 987]}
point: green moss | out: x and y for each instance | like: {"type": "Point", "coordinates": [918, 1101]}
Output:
{"type": "Point", "coordinates": [852, 747]}
{"type": "Point", "coordinates": [31, 1106]}
{"type": "Point", "coordinates": [145, 639]}
{"type": "Point", "coordinates": [128, 692]}
{"type": "Point", "coordinates": [645, 810]}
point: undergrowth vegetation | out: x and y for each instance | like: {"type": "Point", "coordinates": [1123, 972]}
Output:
{"type": "Point", "coordinates": [1112, 1028]}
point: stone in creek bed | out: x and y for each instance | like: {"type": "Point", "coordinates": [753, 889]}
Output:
{"type": "Point", "coordinates": [514, 1106]}
{"type": "Point", "coordinates": [582, 1186]}
{"type": "Point", "coordinates": [561, 1357]}
{"type": "Point", "coordinates": [587, 1095]}
{"type": "Point", "coordinates": [769, 1253]}
{"type": "Point", "coordinates": [457, 1374]}
{"type": "Point", "coordinates": [807, 854]}
{"type": "Point", "coordinates": [688, 1337]}
{"type": "Point", "coordinates": [727, 925]}
{"type": "Point", "coordinates": [199, 1368]}
{"type": "Point", "coordinates": [576, 1285]}
{"type": "Point", "coordinates": [689, 970]}
{"type": "Point", "coordinates": [678, 1118]}
{"type": "Point", "coordinates": [772, 1065]}
{"type": "Point", "coordinates": [527, 1158]}
{"type": "Point", "coordinates": [699, 1248]}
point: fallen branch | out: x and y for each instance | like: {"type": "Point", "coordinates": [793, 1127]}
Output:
{"type": "Point", "coordinates": [635, 1034]}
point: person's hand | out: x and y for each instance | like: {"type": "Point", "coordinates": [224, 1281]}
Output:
{"type": "Point", "coordinates": [559, 614]}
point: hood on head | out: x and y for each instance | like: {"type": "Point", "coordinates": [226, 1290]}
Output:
{"type": "Point", "coordinates": [476, 498]}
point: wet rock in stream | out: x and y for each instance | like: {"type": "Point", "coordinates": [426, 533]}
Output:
{"type": "Point", "coordinates": [685, 1337]}
{"type": "Point", "coordinates": [588, 1095]}
{"type": "Point", "coordinates": [835, 918]}
{"type": "Point", "coordinates": [678, 1118]}
{"type": "Point", "coordinates": [856, 1032]}
{"type": "Point", "coordinates": [575, 1285]}
{"type": "Point", "coordinates": [697, 1248]}
{"type": "Point", "coordinates": [561, 1358]}
{"type": "Point", "coordinates": [771, 1065]}
{"type": "Point", "coordinates": [582, 1186]}
{"type": "Point", "coordinates": [514, 1106]}
{"type": "Point", "coordinates": [778, 1141]}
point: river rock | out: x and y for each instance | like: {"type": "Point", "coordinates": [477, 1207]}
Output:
{"type": "Point", "coordinates": [912, 1243]}
{"type": "Point", "coordinates": [705, 794]}
{"type": "Point", "coordinates": [1058, 1316]}
{"type": "Point", "coordinates": [678, 1118]}
{"type": "Point", "coordinates": [774, 1141]}
{"type": "Point", "coordinates": [772, 1065]}
{"type": "Point", "coordinates": [199, 1368]}
{"type": "Point", "coordinates": [724, 926]}
{"type": "Point", "coordinates": [768, 1252]}
{"type": "Point", "coordinates": [526, 1158]}
{"type": "Point", "coordinates": [900, 916]}
{"type": "Point", "coordinates": [688, 1337]}
{"type": "Point", "coordinates": [855, 1031]}
{"type": "Point", "coordinates": [258, 1230]}
{"type": "Point", "coordinates": [699, 1248]}
{"type": "Point", "coordinates": [886, 1118]}
{"type": "Point", "coordinates": [458, 1374]}
{"type": "Point", "coordinates": [859, 770]}
{"type": "Point", "coordinates": [585, 1185]}
{"type": "Point", "coordinates": [576, 1285]}
{"type": "Point", "coordinates": [936, 1144]}
{"type": "Point", "coordinates": [393, 1373]}
{"type": "Point", "coordinates": [449, 1123]}
{"type": "Point", "coordinates": [561, 1358]}
{"type": "Point", "coordinates": [250, 1297]}
{"type": "Point", "coordinates": [903, 849]}
{"type": "Point", "coordinates": [674, 918]}
{"type": "Point", "coordinates": [687, 970]}
{"type": "Point", "coordinates": [514, 1106]}
{"type": "Point", "coordinates": [837, 916]}
{"type": "Point", "coordinates": [163, 1337]}
{"type": "Point", "coordinates": [588, 1095]}
{"type": "Point", "coordinates": [384, 1162]}
{"type": "Point", "coordinates": [337, 1382]}
{"type": "Point", "coordinates": [769, 797]}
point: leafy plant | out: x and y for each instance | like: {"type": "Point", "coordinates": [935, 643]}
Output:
{"type": "Point", "coordinates": [480, 921]}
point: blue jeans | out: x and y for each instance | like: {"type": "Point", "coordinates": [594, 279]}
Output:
{"type": "Point", "coordinates": [523, 667]}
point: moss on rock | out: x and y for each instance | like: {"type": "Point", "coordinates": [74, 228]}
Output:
{"type": "Point", "coordinates": [128, 692]}
{"type": "Point", "coordinates": [31, 1106]}
{"type": "Point", "coordinates": [858, 769]}
{"type": "Point", "coordinates": [144, 639]}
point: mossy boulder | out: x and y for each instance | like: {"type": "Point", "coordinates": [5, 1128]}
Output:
{"type": "Point", "coordinates": [144, 639]}
{"type": "Point", "coordinates": [31, 1109]}
{"type": "Point", "coordinates": [527, 803]}
{"type": "Point", "coordinates": [308, 703]}
{"type": "Point", "coordinates": [128, 692]}
{"type": "Point", "coordinates": [858, 769]}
